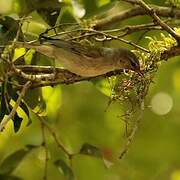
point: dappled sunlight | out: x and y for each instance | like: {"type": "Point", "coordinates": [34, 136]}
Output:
{"type": "Point", "coordinates": [175, 175]}
{"type": "Point", "coordinates": [176, 80]}
{"type": "Point", "coordinates": [89, 90]}
{"type": "Point", "coordinates": [161, 103]}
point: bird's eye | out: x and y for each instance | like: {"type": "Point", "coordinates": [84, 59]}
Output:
{"type": "Point", "coordinates": [133, 64]}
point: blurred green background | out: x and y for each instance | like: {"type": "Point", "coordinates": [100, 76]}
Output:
{"type": "Point", "coordinates": [79, 115]}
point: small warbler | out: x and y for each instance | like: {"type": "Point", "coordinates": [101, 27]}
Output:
{"type": "Point", "coordinates": [85, 60]}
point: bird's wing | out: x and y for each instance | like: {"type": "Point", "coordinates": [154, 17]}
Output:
{"type": "Point", "coordinates": [77, 48]}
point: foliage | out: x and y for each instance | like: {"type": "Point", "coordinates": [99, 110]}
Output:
{"type": "Point", "coordinates": [82, 130]}
{"type": "Point", "coordinates": [174, 3]}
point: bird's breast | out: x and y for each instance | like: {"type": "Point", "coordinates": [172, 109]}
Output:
{"type": "Point", "coordinates": [84, 65]}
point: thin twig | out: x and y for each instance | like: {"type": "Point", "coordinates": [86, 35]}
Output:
{"type": "Point", "coordinates": [32, 77]}
{"type": "Point", "coordinates": [13, 111]}
{"type": "Point", "coordinates": [129, 29]}
{"type": "Point", "coordinates": [64, 76]}
{"type": "Point", "coordinates": [116, 38]}
{"type": "Point", "coordinates": [156, 18]}
{"type": "Point", "coordinates": [40, 69]}
{"type": "Point", "coordinates": [133, 132]}
{"type": "Point", "coordinates": [56, 139]}
{"type": "Point", "coordinates": [167, 12]}
{"type": "Point", "coordinates": [98, 33]}
{"type": "Point", "coordinates": [44, 144]}
{"type": "Point", "coordinates": [70, 78]}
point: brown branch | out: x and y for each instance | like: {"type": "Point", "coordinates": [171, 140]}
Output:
{"type": "Point", "coordinates": [156, 18]}
{"type": "Point", "coordinates": [44, 144]}
{"type": "Point", "coordinates": [103, 33]}
{"type": "Point", "coordinates": [31, 77]}
{"type": "Point", "coordinates": [133, 132]}
{"type": "Point", "coordinates": [56, 139]}
{"type": "Point", "coordinates": [64, 76]}
{"type": "Point", "coordinates": [136, 28]}
{"type": "Point", "coordinates": [129, 29]}
{"type": "Point", "coordinates": [40, 69]}
{"type": "Point", "coordinates": [67, 77]}
{"type": "Point", "coordinates": [136, 11]}
{"type": "Point", "coordinates": [172, 52]}
{"type": "Point", "coordinates": [117, 38]}
{"type": "Point", "coordinates": [13, 111]}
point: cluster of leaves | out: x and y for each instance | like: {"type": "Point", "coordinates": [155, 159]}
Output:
{"type": "Point", "coordinates": [11, 162]}
{"type": "Point", "coordinates": [8, 97]}
{"type": "Point", "coordinates": [87, 150]}
{"type": "Point", "coordinates": [173, 3]}
{"type": "Point", "coordinates": [131, 88]}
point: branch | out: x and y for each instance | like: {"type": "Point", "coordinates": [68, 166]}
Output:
{"type": "Point", "coordinates": [172, 52]}
{"type": "Point", "coordinates": [133, 132]}
{"type": "Point", "coordinates": [117, 38]}
{"type": "Point", "coordinates": [40, 69]}
{"type": "Point", "coordinates": [54, 135]}
{"type": "Point", "coordinates": [31, 77]}
{"type": "Point", "coordinates": [12, 113]}
{"type": "Point", "coordinates": [153, 14]}
{"type": "Point", "coordinates": [64, 76]}
{"type": "Point", "coordinates": [136, 11]}
{"type": "Point", "coordinates": [44, 144]}
{"type": "Point", "coordinates": [70, 78]}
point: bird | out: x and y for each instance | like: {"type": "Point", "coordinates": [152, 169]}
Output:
{"type": "Point", "coordinates": [85, 60]}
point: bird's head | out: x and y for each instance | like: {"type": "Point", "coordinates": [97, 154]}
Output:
{"type": "Point", "coordinates": [128, 60]}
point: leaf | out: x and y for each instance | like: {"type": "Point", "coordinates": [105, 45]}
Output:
{"type": "Point", "coordinates": [48, 10]}
{"type": "Point", "coordinates": [90, 6]}
{"type": "Point", "coordinates": [29, 56]}
{"type": "Point", "coordinates": [4, 106]}
{"type": "Point", "coordinates": [104, 10]}
{"type": "Point", "coordinates": [103, 2]}
{"type": "Point", "coordinates": [11, 162]}
{"type": "Point", "coordinates": [10, 91]}
{"type": "Point", "coordinates": [26, 110]}
{"type": "Point", "coordinates": [14, 95]}
{"type": "Point", "coordinates": [6, 177]}
{"type": "Point", "coordinates": [17, 122]}
{"type": "Point", "coordinates": [18, 52]}
{"type": "Point", "coordinates": [67, 171]}
{"type": "Point", "coordinates": [90, 150]}
{"type": "Point", "coordinates": [78, 9]}
{"type": "Point", "coordinates": [34, 98]}
{"type": "Point", "coordinates": [104, 86]}
{"type": "Point", "coordinates": [9, 29]}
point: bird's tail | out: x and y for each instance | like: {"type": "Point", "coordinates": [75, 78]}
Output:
{"type": "Point", "coordinates": [41, 48]}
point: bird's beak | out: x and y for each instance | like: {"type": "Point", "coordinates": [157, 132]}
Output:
{"type": "Point", "coordinates": [137, 70]}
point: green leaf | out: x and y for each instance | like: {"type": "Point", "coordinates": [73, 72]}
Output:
{"type": "Point", "coordinates": [29, 56]}
{"type": "Point", "coordinates": [103, 85]}
{"type": "Point", "coordinates": [90, 6]}
{"type": "Point", "coordinates": [103, 2]}
{"type": "Point", "coordinates": [63, 167]}
{"type": "Point", "coordinates": [4, 106]}
{"type": "Point", "coordinates": [26, 110]}
{"type": "Point", "coordinates": [34, 99]}
{"type": "Point", "coordinates": [48, 10]}
{"type": "Point", "coordinates": [11, 162]}
{"type": "Point", "coordinates": [18, 52]}
{"type": "Point", "coordinates": [14, 95]}
{"type": "Point", "coordinates": [9, 29]}
{"type": "Point", "coordinates": [6, 177]}
{"type": "Point", "coordinates": [90, 150]}
{"type": "Point", "coordinates": [17, 122]}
